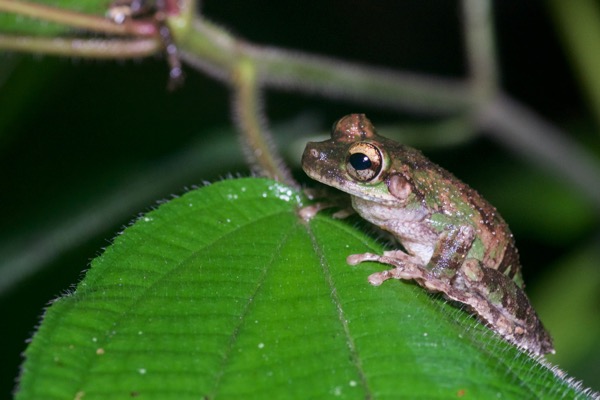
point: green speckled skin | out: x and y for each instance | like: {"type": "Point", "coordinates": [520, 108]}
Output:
{"type": "Point", "coordinates": [453, 240]}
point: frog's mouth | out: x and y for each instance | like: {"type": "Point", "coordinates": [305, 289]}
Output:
{"type": "Point", "coordinates": [358, 191]}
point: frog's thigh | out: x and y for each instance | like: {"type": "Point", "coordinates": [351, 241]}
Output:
{"type": "Point", "coordinates": [473, 286]}
{"type": "Point", "coordinates": [504, 306]}
{"type": "Point", "coordinates": [486, 283]}
{"type": "Point", "coordinates": [501, 292]}
{"type": "Point", "coordinates": [495, 298]}
{"type": "Point", "coordinates": [451, 249]}
{"type": "Point", "coordinates": [470, 269]}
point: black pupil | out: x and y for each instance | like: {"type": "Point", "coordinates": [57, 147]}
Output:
{"type": "Point", "coordinates": [360, 161]}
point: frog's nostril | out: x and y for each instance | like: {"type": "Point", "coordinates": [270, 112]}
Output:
{"type": "Point", "coordinates": [314, 153]}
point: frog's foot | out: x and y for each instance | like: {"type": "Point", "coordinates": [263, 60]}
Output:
{"type": "Point", "coordinates": [401, 256]}
{"type": "Point", "coordinates": [314, 193]}
{"type": "Point", "coordinates": [307, 213]}
{"type": "Point", "coordinates": [343, 213]}
{"type": "Point", "coordinates": [405, 266]}
{"type": "Point", "coordinates": [355, 259]}
{"type": "Point", "coordinates": [393, 257]}
{"type": "Point", "coordinates": [331, 200]}
{"type": "Point", "coordinates": [404, 272]}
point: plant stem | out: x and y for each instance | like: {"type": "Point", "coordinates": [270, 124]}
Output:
{"type": "Point", "coordinates": [214, 51]}
{"type": "Point", "coordinates": [257, 142]}
{"type": "Point", "coordinates": [249, 69]}
{"type": "Point", "coordinates": [539, 141]}
{"type": "Point", "coordinates": [88, 48]}
{"type": "Point", "coordinates": [579, 25]}
{"type": "Point", "coordinates": [480, 48]}
{"type": "Point", "coordinates": [75, 19]}
{"type": "Point", "coordinates": [241, 73]}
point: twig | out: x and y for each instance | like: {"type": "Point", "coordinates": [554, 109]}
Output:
{"type": "Point", "coordinates": [88, 48]}
{"type": "Point", "coordinates": [214, 51]}
{"type": "Point", "coordinates": [513, 124]}
{"type": "Point", "coordinates": [579, 25]}
{"type": "Point", "coordinates": [226, 57]}
{"type": "Point", "coordinates": [480, 48]}
{"type": "Point", "coordinates": [540, 141]}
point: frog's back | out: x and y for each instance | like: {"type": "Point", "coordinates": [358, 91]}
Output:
{"type": "Point", "coordinates": [500, 250]}
{"type": "Point", "coordinates": [446, 194]}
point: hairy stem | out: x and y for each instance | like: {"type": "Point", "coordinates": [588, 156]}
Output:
{"type": "Point", "coordinates": [480, 48]}
{"type": "Point", "coordinates": [214, 51]}
{"type": "Point", "coordinates": [87, 48]}
{"type": "Point", "coordinates": [579, 24]}
{"type": "Point", "coordinates": [258, 145]}
{"type": "Point", "coordinates": [250, 68]}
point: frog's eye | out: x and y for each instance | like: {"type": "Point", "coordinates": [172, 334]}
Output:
{"type": "Point", "coordinates": [364, 162]}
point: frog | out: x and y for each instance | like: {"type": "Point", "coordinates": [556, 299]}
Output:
{"type": "Point", "coordinates": [451, 240]}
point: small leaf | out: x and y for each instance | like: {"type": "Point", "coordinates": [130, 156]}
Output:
{"type": "Point", "coordinates": [19, 24]}
{"type": "Point", "coordinates": [226, 293]}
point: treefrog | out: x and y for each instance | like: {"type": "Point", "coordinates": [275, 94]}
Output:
{"type": "Point", "coordinates": [453, 240]}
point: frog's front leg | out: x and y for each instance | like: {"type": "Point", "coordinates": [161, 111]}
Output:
{"type": "Point", "coordinates": [334, 200]}
{"type": "Point", "coordinates": [448, 255]}
{"type": "Point", "coordinates": [406, 266]}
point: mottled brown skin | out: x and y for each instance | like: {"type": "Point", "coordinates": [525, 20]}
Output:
{"type": "Point", "coordinates": [454, 241]}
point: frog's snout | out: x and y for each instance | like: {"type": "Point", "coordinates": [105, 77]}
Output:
{"type": "Point", "coordinates": [310, 153]}
{"type": "Point", "coordinates": [313, 155]}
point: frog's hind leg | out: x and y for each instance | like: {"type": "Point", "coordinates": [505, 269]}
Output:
{"type": "Point", "coordinates": [502, 305]}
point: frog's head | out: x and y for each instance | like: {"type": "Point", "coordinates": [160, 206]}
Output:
{"type": "Point", "coordinates": [357, 161]}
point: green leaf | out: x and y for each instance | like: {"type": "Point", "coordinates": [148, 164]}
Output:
{"type": "Point", "coordinates": [19, 24]}
{"type": "Point", "coordinates": [226, 293]}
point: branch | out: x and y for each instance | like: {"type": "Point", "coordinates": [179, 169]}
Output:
{"type": "Point", "coordinates": [228, 58]}
{"type": "Point", "coordinates": [214, 51]}
{"type": "Point", "coordinates": [87, 48]}
{"type": "Point", "coordinates": [578, 23]}
{"type": "Point", "coordinates": [480, 48]}
{"type": "Point", "coordinates": [538, 140]}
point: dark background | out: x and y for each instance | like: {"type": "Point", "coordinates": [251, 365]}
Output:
{"type": "Point", "coordinates": [70, 130]}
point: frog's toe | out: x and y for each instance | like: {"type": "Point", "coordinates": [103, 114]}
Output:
{"type": "Point", "coordinates": [378, 278]}
{"type": "Point", "coordinates": [355, 259]}
{"type": "Point", "coordinates": [309, 212]}
{"type": "Point", "coordinates": [401, 256]}
{"type": "Point", "coordinates": [343, 213]}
